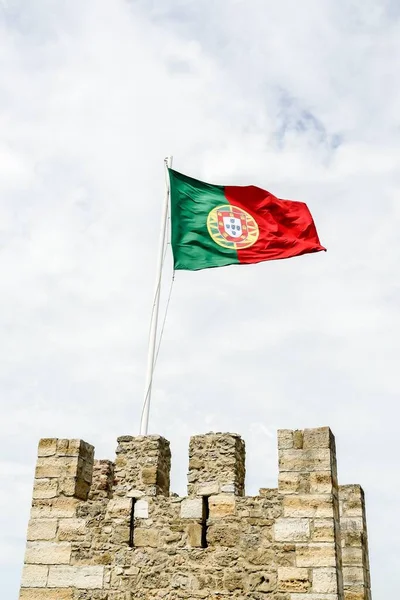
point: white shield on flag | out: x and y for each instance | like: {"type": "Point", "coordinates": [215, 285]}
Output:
{"type": "Point", "coordinates": [233, 226]}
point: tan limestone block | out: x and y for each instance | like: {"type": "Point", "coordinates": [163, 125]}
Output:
{"type": "Point", "coordinates": [149, 475]}
{"type": "Point", "coordinates": [192, 508]}
{"type": "Point", "coordinates": [288, 482]}
{"type": "Point", "coordinates": [314, 597]}
{"type": "Point", "coordinates": [208, 488]}
{"type": "Point", "coordinates": [119, 508]}
{"type": "Point", "coordinates": [57, 466]}
{"type": "Point", "coordinates": [263, 582]}
{"type": "Point", "coordinates": [219, 534]}
{"type": "Point", "coordinates": [81, 577]}
{"type": "Point", "coordinates": [315, 459]}
{"type": "Point", "coordinates": [71, 529]}
{"type": "Point", "coordinates": [146, 537]}
{"type": "Point", "coordinates": [47, 447]}
{"type": "Point", "coordinates": [135, 494]}
{"type": "Point", "coordinates": [298, 438]}
{"type": "Point", "coordinates": [354, 595]}
{"type": "Point", "coordinates": [320, 437]}
{"type": "Point", "coordinates": [353, 509]}
{"type": "Point", "coordinates": [321, 482]}
{"type": "Point", "coordinates": [34, 576]}
{"type": "Point", "coordinates": [324, 581]}
{"type": "Point", "coordinates": [285, 439]}
{"type": "Point", "coordinates": [351, 524]}
{"type": "Point", "coordinates": [352, 555]}
{"type": "Point", "coordinates": [353, 576]}
{"type": "Point", "coordinates": [323, 530]}
{"type": "Point", "coordinates": [42, 529]}
{"type": "Point", "coordinates": [78, 448]}
{"type": "Point", "coordinates": [292, 579]}
{"type": "Point", "coordinates": [307, 505]}
{"type": "Point", "coordinates": [353, 539]}
{"type": "Point", "coordinates": [291, 530]}
{"type": "Point", "coordinates": [221, 506]}
{"type": "Point", "coordinates": [48, 553]}
{"type": "Point", "coordinates": [291, 482]}
{"type": "Point", "coordinates": [45, 488]}
{"type": "Point", "coordinates": [194, 532]}
{"type": "Point", "coordinates": [232, 580]}
{"type": "Point", "coordinates": [46, 594]}
{"type": "Point", "coordinates": [54, 508]}
{"type": "Point", "coordinates": [316, 555]}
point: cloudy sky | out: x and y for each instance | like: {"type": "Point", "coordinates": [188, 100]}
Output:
{"type": "Point", "coordinates": [299, 98]}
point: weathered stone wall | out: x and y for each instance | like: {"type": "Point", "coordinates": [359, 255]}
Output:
{"type": "Point", "coordinates": [112, 531]}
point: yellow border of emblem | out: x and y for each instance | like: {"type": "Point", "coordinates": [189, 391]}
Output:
{"type": "Point", "coordinates": [251, 234]}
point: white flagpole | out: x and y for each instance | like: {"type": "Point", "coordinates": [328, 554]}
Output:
{"type": "Point", "coordinates": [144, 423]}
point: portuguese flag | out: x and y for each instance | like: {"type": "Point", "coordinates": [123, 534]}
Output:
{"type": "Point", "coordinates": [216, 225]}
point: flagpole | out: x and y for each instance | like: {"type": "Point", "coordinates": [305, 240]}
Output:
{"type": "Point", "coordinates": [144, 422]}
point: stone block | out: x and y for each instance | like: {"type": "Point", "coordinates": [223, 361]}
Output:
{"type": "Point", "coordinates": [146, 537]}
{"type": "Point", "coordinates": [56, 466]}
{"type": "Point", "coordinates": [262, 582]}
{"type": "Point", "coordinates": [81, 577]}
{"type": "Point", "coordinates": [141, 509]}
{"type": "Point", "coordinates": [321, 482]}
{"type": "Point", "coordinates": [34, 576]}
{"type": "Point", "coordinates": [192, 508]}
{"type": "Point", "coordinates": [324, 581]}
{"type": "Point", "coordinates": [323, 530]}
{"type": "Point", "coordinates": [352, 555]}
{"type": "Point", "coordinates": [288, 482]}
{"type": "Point", "coordinates": [46, 594]}
{"type": "Point", "coordinates": [313, 597]}
{"type": "Point", "coordinates": [135, 494]}
{"type": "Point", "coordinates": [232, 580]}
{"type": "Point", "coordinates": [355, 595]}
{"type": "Point", "coordinates": [315, 459]}
{"type": "Point", "coordinates": [221, 506]}
{"type": "Point", "coordinates": [209, 488]}
{"type": "Point", "coordinates": [42, 529]}
{"type": "Point", "coordinates": [285, 439]}
{"type": "Point", "coordinates": [119, 508]}
{"type": "Point", "coordinates": [45, 488]}
{"type": "Point", "coordinates": [292, 530]}
{"type": "Point", "coordinates": [149, 475]}
{"type": "Point", "coordinates": [194, 532]}
{"type": "Point", "coordinates": [320, 437]}
{"type": "Point", "coordinates": [219, 534]}
{"type": "Point", "coordinates": [316, 555]}
{"type": "Point", "coordinates": [228, 488]}
{"type": "Point", "coordinates": [71, 529]}
{"type": "Point", "coordinates": [353, 576]}
{"type": "Point", "coordinates": [47, 447]}
{"type": "Point", "coordinates": [292, 579]}
{"type": "Point", "coordinates": [308, 505]}
{"type": "Point", "coordinates": [48, 553]}
{"type": "Point", "coordinates": [298, 439]}
{"type": "Point", "coordinates": [54, 508]}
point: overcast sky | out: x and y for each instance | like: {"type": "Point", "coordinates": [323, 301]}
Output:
{"type": "Point", "coordinates": [300, 98]}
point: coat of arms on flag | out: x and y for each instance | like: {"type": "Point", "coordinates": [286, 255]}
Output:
{"type": "Point", "coordinates": [232, 227]}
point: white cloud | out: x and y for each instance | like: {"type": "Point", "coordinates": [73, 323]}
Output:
{"type": "Point", "coordinates": [300, 99]}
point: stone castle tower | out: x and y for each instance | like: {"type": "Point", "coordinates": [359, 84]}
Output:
{"type": "Point", "coordinates": [112, 531]}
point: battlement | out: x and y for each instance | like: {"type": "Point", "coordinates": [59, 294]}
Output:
{"type": "Point", "coordinates": [113, 531]}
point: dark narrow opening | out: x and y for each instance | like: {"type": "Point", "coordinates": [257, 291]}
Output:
{"type": "Point", "coordinates": [206, 512]}
{"type": "Point", "coordinates": [132, 524]}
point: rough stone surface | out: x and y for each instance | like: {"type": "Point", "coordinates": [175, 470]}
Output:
{"type": "Point", "coordinates": [103, 530]}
